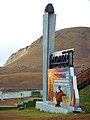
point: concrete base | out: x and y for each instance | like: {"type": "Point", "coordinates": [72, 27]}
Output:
{"type": "Point", "coordinates": [49, 106]}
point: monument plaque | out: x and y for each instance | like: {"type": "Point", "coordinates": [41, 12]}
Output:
{"type": "Point", "coordinates": [57, 70]}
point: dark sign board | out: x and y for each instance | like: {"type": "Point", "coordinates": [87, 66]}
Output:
{"type": "Point", "coordinates": [61, 59]}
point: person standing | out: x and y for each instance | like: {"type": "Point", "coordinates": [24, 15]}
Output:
{"type": "Point", "coordinates": [59, 95]}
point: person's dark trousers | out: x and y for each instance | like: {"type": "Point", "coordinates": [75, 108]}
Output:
{"type": "Point", "coordinates": [58, 104]}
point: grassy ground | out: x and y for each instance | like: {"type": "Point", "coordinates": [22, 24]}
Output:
{"type": "Point", "coordinates": [85, 103]}
{"type": "Point", "coordinates": [85, 99]}
{"type": "Point", "coordinates": [34, 114]}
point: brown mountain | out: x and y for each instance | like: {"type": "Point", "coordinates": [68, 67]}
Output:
{"type": "Point", "coordinates": [23, 69]}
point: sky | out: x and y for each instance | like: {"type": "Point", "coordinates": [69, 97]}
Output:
{"type": "Point", "coordinates": [21, 21]}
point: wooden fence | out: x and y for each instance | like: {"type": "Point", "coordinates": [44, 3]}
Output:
{"type": "Point", "coordinates": [83, 78]}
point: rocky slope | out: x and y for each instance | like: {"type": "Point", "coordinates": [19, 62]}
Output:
{"type": "Point", "coordinates": [77, 38]}
{"type": "Point", "coordinates": [29, 59]}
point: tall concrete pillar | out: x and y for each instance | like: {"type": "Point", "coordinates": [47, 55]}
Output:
{"type": "Point", "coordinates": [49, 20]}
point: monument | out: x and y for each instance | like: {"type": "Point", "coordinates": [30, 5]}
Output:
{"type": "Point", "coordinates": [57, 70]}
{"type": "Point", "coordinates": [49, 19]}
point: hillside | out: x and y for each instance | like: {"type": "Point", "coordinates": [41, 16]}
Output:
{"type": "Point", "coordinates": [24, 67]}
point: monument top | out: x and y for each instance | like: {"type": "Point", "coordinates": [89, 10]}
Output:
{"type": "Point", "coordinates": [49, 8]}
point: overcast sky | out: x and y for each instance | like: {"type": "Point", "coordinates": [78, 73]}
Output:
{"type": "Point", "coordinates": [21, 21]}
